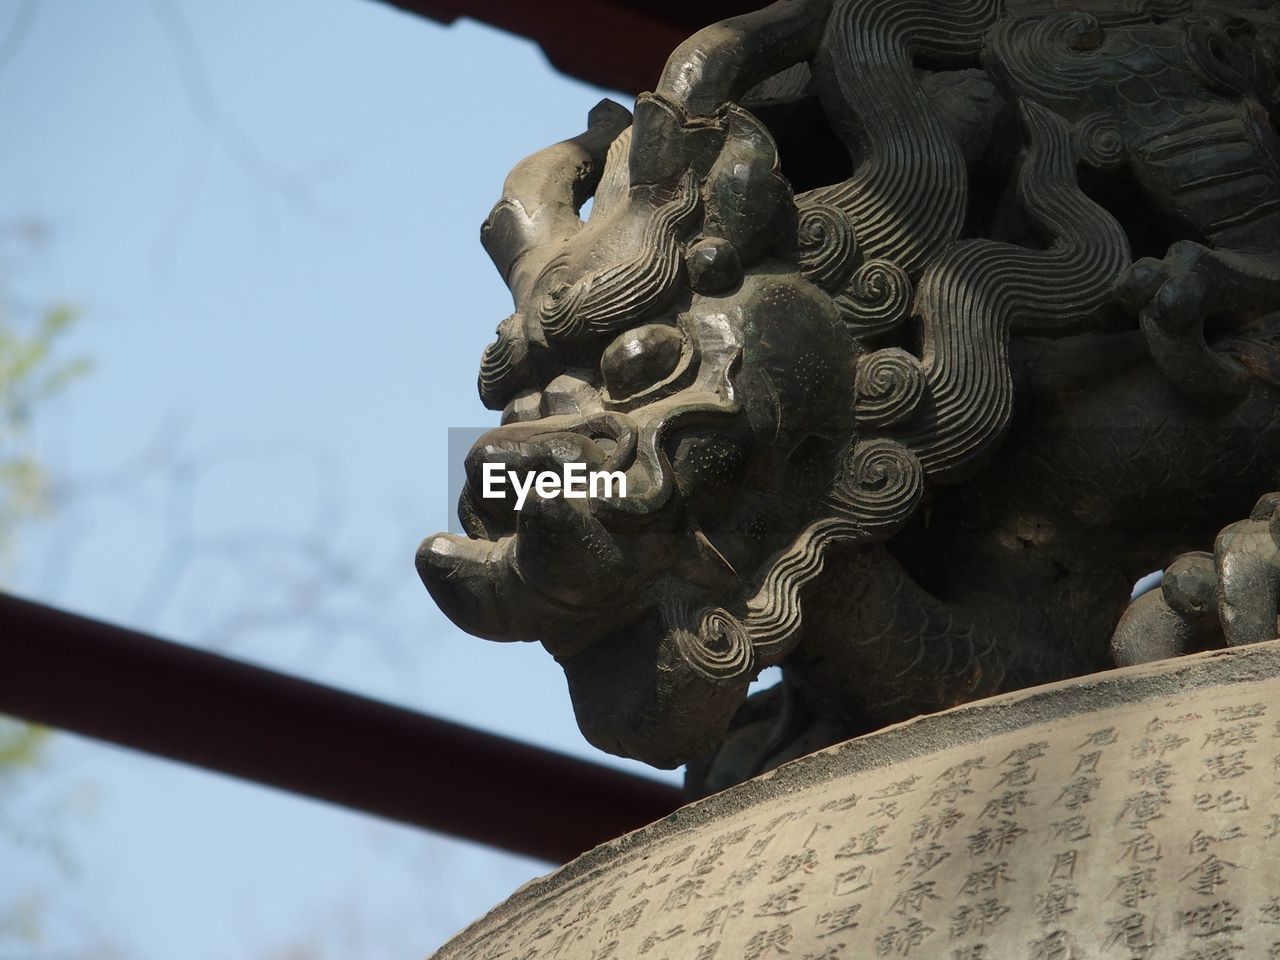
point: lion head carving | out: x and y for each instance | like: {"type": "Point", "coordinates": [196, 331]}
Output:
{"type": "Point", "coordinates": [774, 371]}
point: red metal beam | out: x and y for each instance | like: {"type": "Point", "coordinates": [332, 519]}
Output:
{"type": "Point", "coordinates": [174, 701]}
{"type": "Point", "coordinates": [620, 44]}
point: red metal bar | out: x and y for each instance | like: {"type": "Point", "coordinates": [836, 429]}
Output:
{"type": "Point", "coordinates": [621, 44]}
{"type": "Point", "coordinates": [174, 701]}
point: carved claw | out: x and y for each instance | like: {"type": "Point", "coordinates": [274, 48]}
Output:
{"type": "Point", "coordinates": [1230, 597]}
{"type": "Point", "coordinates": [1247, 555]}
{"type": "Point", "coordinates": [1173, 297]}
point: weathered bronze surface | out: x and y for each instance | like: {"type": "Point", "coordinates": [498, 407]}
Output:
{"type": "Point", "coordinates": [920, 329]}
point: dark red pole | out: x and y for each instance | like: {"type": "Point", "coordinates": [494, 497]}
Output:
{"type": "Point", "coordinates": [174, 701]}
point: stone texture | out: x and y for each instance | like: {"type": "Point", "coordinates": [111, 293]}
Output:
{"type": "Point", "coordinates": [1127, 814]}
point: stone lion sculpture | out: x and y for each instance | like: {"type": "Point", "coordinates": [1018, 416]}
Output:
{"type": "Point", "coordinates": [920, 329]}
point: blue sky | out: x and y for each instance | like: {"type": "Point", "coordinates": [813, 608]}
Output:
{"type": "Point", "coordinates": [267, 217]}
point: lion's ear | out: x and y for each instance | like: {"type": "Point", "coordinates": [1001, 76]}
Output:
{"type": "Point", "coordinates": [543, 193]}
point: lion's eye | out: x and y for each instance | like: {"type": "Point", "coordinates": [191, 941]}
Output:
{"type": "Point", "coordinates": [640, 358]}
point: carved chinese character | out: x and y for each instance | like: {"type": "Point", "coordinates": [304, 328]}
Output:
{"type": "Point", "coordinates": [1087, 762]}
{"type": "Point", "coordinates": [1135, 886]}
{"type": "Point", "coordinates": [1225, 766]}
{"type": "Point", "coordinates": [847, 802]}
{"type": "Point", "coordinates": [920, 860]}
{"type": "Point", "coordinates": [1146, 747]}
{"type": "Point", "coordinates": [962, 770]}
{"type": "Point", "coordinates": [1211, 919]}
{"type": "Point", "coordinates": [674, 859]}
{"type": "Point", "coordinates": [739, 878]}
{"type": "Point", "coordinates": [1209, 874]}
{"type": "Point", "coordinates": [708, 860]}
{"type": "Point", "coordinates": [732, 837]}
{"type": "Point", "coordinates": [794, 863]}
{"type": "Point", "coordinates": [865, 843]}
{"type": "Point", "coordinates": [592, 907]}
{"type": "Point", "coordinates": [851, 881]}
{"type": "Point", "coordinates": [1157, 774]}
{"type": "Point", "coordinates": [715, 920]}
{"type": "Point", "coordinates": [651, 940]}
{"type": "Point", "coordinates": [977, 918]}
{"type": "Point", "coordinates": [897, 788]}
{"type": "Point", "coordinates": [683, 894]}
{"type": "Point", "coordinates": [986, 879]}
{"type": "Point", "coordinates": [834, 921]}
{"type": "Point", "coordinates": [889, 809]}
{"type": "Point", "coordinates": [934, 825]}
{"type": "Point", "coordinates": [1055, 945]}
{"type": "Point", "coordinates": [1027, 753]}
{"type": "Point", "coordinates": [949, 793]}
{"type": "Point", "coordinates": [1141, 848]}
{"type": "Point", "coordinates": [1228, 802]}
{"type": "Point", "coordinates": [914, 898]}
{"type": "Point", "coordinates": [1160, 746]}
{"type": "Point", "coordinates": [902, 940]}
{"type": "Point", "coordinates": [1135, 931]}
{"type": "Point", "coordinates": [1055, 903]}
{"type": "Point", "coordinates": [781, 902]}
{"type": "Point", "coordinates": [558, 946]}
{"type": "Point", "coordinates": [1201, 841]}
{"type": "Point", "coordinates": [768, 943]}
{"type": "Point", "coordinates": [1234, 735]}
{"type": "Point", "coordinates": [548, 925]}
{"type": "Point", "coordinates": [1248, 711]}
{"type": "Point", "coordinates": [1072, 829]}
{"type": "Point", "coordinates": [1078, 792]}
{"type": "Point", "coordinates": [788, 816]}
{"type": "Point", "coordinates": [1099, 738]}
{"type": "Point", "coordinates": [1007, 804]}
{"type": "Point", "coordinates": [1018, 775]}
{"type": "Point", "coordinates": [1141, 808]}
{"type": "Point", "coordinates": [625, 920]}
{"type": "Point", "coordinates": [1063, 866]}
{"type": "Point", "coordinates": [994, 839]}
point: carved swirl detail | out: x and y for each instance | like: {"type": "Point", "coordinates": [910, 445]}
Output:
{"type": "Point", "coordinates": [500, 368]}
{"type": "Point", "coordinates": [880, 486]}
{"type": "Point", "coordinates": [889, 387]}
{"type": "Point", "coordinates": [876, 298]}
{"type": "Point", "coordinates": [720, 650]}
{"type": "Point", "coordinates": [827, 245]}
{"type": "Point", "coordinates": [1101, 141]}
{"type": "Point", "coordinates": [1051, 59]}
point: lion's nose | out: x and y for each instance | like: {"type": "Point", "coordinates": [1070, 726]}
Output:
{"type": "Point", "coordinates": [503, 459]}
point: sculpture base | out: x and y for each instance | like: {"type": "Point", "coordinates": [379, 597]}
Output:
{"type": "Point", "coordinates": [1131, 813]}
